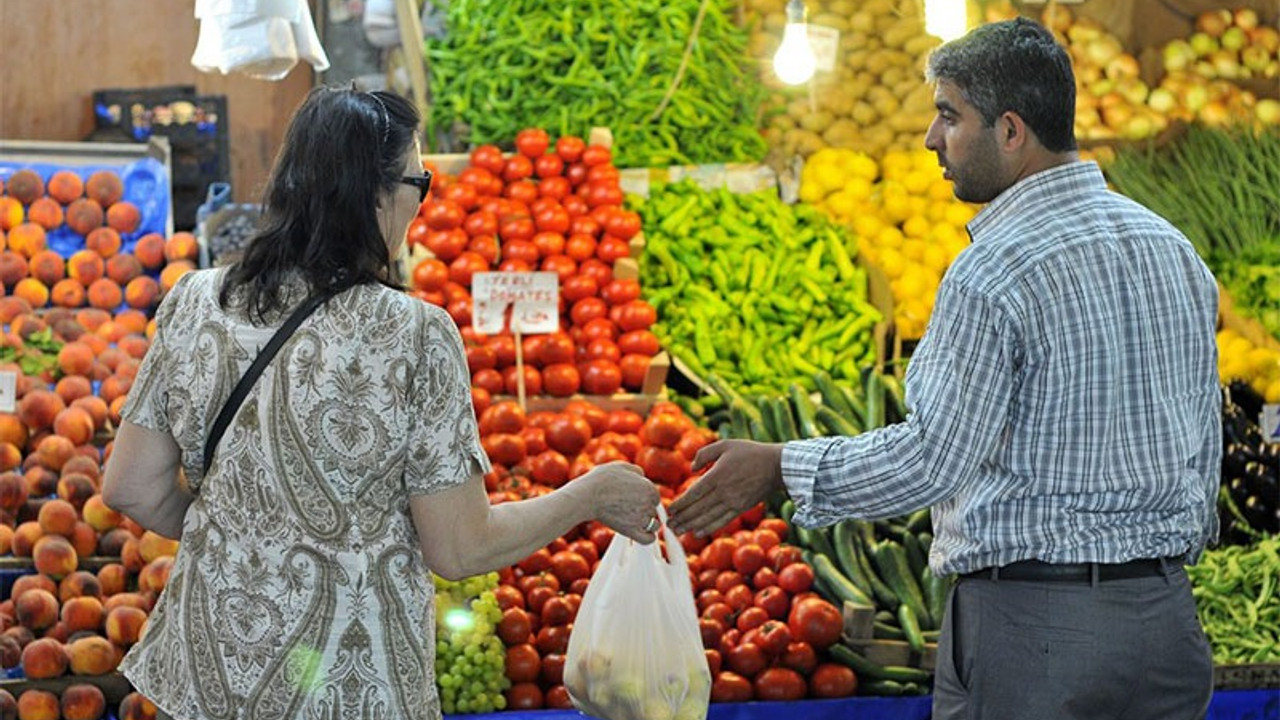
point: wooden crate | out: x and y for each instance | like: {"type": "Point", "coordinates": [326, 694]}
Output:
{"type": "Point", "coordinates": [858, 634]}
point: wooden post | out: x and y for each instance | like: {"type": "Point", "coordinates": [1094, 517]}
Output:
{"type": "Point", "coordinates": [411, 44]}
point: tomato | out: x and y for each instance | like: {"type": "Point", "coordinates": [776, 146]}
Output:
{"type": "Point", "coordinates": [598, 419]}
{"type": "Point", "coordinates": [569, 566]}
{"type": "Point", "coordinates": [519, 250]}
{"type": "Point", "coordinates": [485, 182]}
{"type": "Point", "coordinates": [751, 617]}
{"type": "Point", "coordinates": [719, 554]}
{"type": "Point", "coordinates": [556, 188]}
{"type": "Point", "coordinates": [508, 597]}
{"type": "Point", "coordinates": [664, 430]}
{"type": "Point", "coordinates": [739, 598]}
{"type": "Point", "coordinates": [570, 148]}
{"type": "Point", "coordinates": [465, 265]}
{"type": "Point", "coordinates": [633, 315]}
{"type": "Point", "coordinates": [556, 348]}
{"type": "Point", "coordinates": [763, 578]}
{"type": "Point", "coordinates": [601, 377]}
{"type": "Point", "coordinates": [624, 224]}
{"type": "Point", "coordinates": [446, 244]}
{"type": "Point", "coordinates": [460, 311]}
{"type": "Point", "coordinates": [783, 555]}
{"type": "Point", "coordinates": [774, 601]}
{"type": "Point", "coordinates": [588, 309]}
{"type": "Point", "coordinates": [777, 525]}
{"type": "Point", "coordinates": [562, 265]}
{"type": "Point", "coordinates": [796, 578]}
{"type": "Point", "coordinates": [730, 687]}
{"type": "Point", "coordinates": [488, 157]}
{"type": "Point", "coordinates": [603, 349]}
{"type": "Point", "coordinates": [480, 400]}
{"type": "Point", "coordinates": [516, 227]}
{"type": "Point", "coordinates": [538, 596]}
{"type": "Point", "coordinates": [707, 598]}
{"type": "Point", "coordinates": [610, 249]}
{"type": "Point", "coordinates": [525, 191]}
{"type": "Point", "coordinates": [601, 271]}
{"type": "Point", "coordinates": [486, 246]}
{"type": "Point", "coordinates": [549, 167]}
{"type": "Point", "coordinates": [596, 155]}
{"type": "Point", "coordinates": [549, 243]}
{"type": "Point", "coordinates": [727, 580]}
{"type": "Point", "coordinates": [553, 668]}
{"type": "Point", "coordinates": [603, 174]}
{"type": "Point", "coordinates": [561, 379]}
{"type": "Point", "coordinates": [463, 194]}
{"type": "Point", "coordinates": [532, 380]}
{"type": "Point", "coordinates": [576, 174]}
{"type": "Point", "coordinates": [504, 448]}
{"type": "Point", "coordinates": [488, 380]}
{"type": "Point", "coordinates": [532, 142]}
{"type": "Point", "coordinates": [517, 167]}
{"type": "Point", "coordinates": [503, 417]}
{"type": "Point", "coordinates": [557, 697]}
{"type": "Point", "coordinates": [568, 434]}
{"type": "Point", "coordinates": [765, 538]}
{"type": "Point", "coordinates": [779, 683]}
{"type": "Point", "coordinates": [799, 656]}
{"type": "Point", "coordinates": [577, 287]}
{"type": "Point", "coordinates": [549, 468]}
{"type": "Point", "coordinates": [748, 558]}
{"type": "Point", "coordinates": [418, 231]}
{"type": "Point", "coordinates": [523, 662]}
{"type": "Point", "coordinates": [773, 637]}
{"type": "Point", "coordinates": [514, 628]}
{"type": "Point", "coordinates": [714, 660]}
{"type": "Point", "coordinates": [555, 611]}
{"type": "Point", "coordinates": [635, 368]}
{"type": "Point", "coordinates": [524, 695]}
{"type": "Point", "coordinates": [552, 219]}
{"type": "Point", "coordinates": [535, 441]}
{"type": "Point", "coordinates": [746, 659]}
{"type": "Point", "coordinates": [602, 193]}
{"type": "Point", "coordinates": [480, 222]}
{"type": "Point", "coordinates": [832, 680]}
{"type": "Point", "coordinates": [585, 225]}
{"type": "Point", "coordinates": [624, 421]}
{"type": "Point", "coordinates": [552, 639]}
{"type": "Point", "coordinates": [621, 291]}
{"type": "Point", "coordinates": [816, 622]}
{"type": "Point", "coordinates": [711, 632]}
{"type": "Point", "coordinates": [480, 357]}
{"type": "Point", "coordinates": [430, 275]}
{"type": "Point", "coordinates": [580, 247]}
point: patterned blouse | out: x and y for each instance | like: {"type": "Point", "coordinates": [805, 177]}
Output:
{"type": "Point", "coordinates": [299, 590]}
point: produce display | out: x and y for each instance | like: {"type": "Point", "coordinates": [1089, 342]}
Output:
{"type": "Point", "coordinates": [1229, 213]}
{"type": "Point", "coordinates": [874, 101]}
{"type": "Point", "coordinates": [1237, 600]}
{"type": "Point", "coordinates": [670, 78]}
{"type": "Point", "coordinates": [470, 658]}
{"type": "Point", "coordinates": [1259, 367]}
{"type": "Point", "coordinates": [905, 216]}
{"type": "Point", "coordinates": [1250, 495]}
{"type": "Point", "coordinates": [757, 291]}
{"type": "Point", "coordinates": [550, 207]}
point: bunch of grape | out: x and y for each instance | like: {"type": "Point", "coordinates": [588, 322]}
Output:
{"type": "Point", "coordinates": [469, 655]}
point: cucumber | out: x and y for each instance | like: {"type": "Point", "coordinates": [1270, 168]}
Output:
{"type": "Point", "coordinates": [787, 510]}
{"type": "Point", "coordinates": [806, 412]}
{"type": "Point", "coordinates": [815, 539]}
{"type": "Point", "coordinates": [891, 560]}
{"type": "Point", "coordinates": [910, 625]}
{"type": "Point", "coordinates": [844, 590]}
{"type": "Point", "coordinates": [882, 688]}
{"type": "Point", "coordinates": [874, 393]}
{"type": "Point", "coordinates": [885, 598]}
{"type": "Point", "coordinates": [885, 617]}
{"type": "Point", "coordinates": [866, 669]}
{"type": "Point", "coordinates": [842, 539]}
{"type": "Point", "coordinates": [920, 521]}
{"type": "Point", "coordinates": [739, 420]}
{"type": "Point", "coordinates": [835, 423]}
{"type": "Point", "coordinates": [856, 406]}
{"type": "Point", "coordinates": [935, 594]}
{"type": "Point", "coordinates": [767, 420]}
{"type": "Point", "coordinates": [883, 631]}
{"type": "Point", "coordinates": [832, 397]}
{"type": "Point", "coordinates": [916, 557]}
{"type": "Point", "coordinates": [785, 421]}
{"type": "Point", "coordinates": [896, 406]}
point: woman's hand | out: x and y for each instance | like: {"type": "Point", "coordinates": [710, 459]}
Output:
{"type": "Point", "coordinates": [624, 499]}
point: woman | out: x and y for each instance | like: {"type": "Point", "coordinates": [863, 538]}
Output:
{"type": "Point", "coordinates": [301, 589]}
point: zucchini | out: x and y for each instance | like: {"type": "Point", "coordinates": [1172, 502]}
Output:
{"type": "Point", "coordinates": [910, 625]}
{"type": "Point", "coordinates": [883, 631]}
{"type": "Point", "coordinates": [891, 561]}
{"type": "Point", "coordinates": [806, 412]}
{"type": "Point", "coordinates": [835, 423]}
{"type": "Point", "coordinates": [920, 521]}
{"type": "Point", "coordinates": [866, 669]}
{"type": "Point", "coordinates": [884, 596]}
{"type": "Point", "coordinates": [896, 405]}
{"type": "Point", "coordinates": [846, 555]}
{"type": "Point", "coordinates": [844, 590]}
{"type": "Point", "coordinates": [874, 394]}
{"type": "Point", "coordinates": [784, 421]}
{"type": "Point", "coordinates": [832, 397]}
{"type": "Point", "coordinates": [882, 688]}
{"type": "Point", "coordinates": [916, 557]}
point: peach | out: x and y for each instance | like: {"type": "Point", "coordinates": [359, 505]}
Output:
{"type": "Point", "coordinates": [39, 408]}
{"type": "Point", "coordinates": [54, 556]}
{"type": "Point", "coordinates": [133, 320]}
{"type": "Point", "coordinates": [10, 456]}
{"type": "Point", "coordinates": [76, 487]}
{"type": "Point", "coordinates": [83, 465]}
{"type": "Point", "coordinates": [58, 632]}
{"type": "Point", "coordinates": [142, 292]}
{"type": "Point", "coordinates": [45, 212]}
{"type": "Point", "coordinates": [103, 240]}
{"type": "Point", "coordinates": [104, 293]}
{"type": "Point", "coordinates": [153, 545]}
{"type": "Point", "coordinates": [96, 513]}
{"type": "Point", "coordinates": [104, 186]}
{"type": "Point", "coordinates": [83, 701]}
{"type": "Point", "coordinates": [136, 707]}
{"type": "Point", "coordinates": [173, 272]}
{"type": "Point", "coordinates": [95, 406]}
{"type": "Point", "coordinates": [67, 293]}
{"type": "Point", "coordinates": [85, 266]}
{"type": "Point", "coordinates": [41, 481]}
{"type": "Point", "coordinates": [114, 387]}
{"type": "Point", "coordinates": [83, 215]}
{"type": "Point", "coordinates": [27, 239]}
{"type": "Point", "coordinates": [123, 268]}
{"type": "Point", "coordinates": [149, 249]}
{"type": "Point", "coordinates": [32, 581]}
{"type": "Point", "coordinates": [112, 541]}
{"type": "Point", "coordinates": [112, 579]}
{"type": "Point", "coordinates": [83, 612]}
{"type": "Point", "coordinates": [76, 358]}
{"type": "Point", "coordinates": [111, 331]}
{"type": "Point", "coordinates": [75, 425]}
{"type": "Point", "coordinates": [135, 346]}
{"type": "Point", "coordinates": [128, 368]}
{"type": "Point", "coordinates": [84, 539]}
{"type": "Point", "coordinates": [25, 537]}
{"type": "Point", "coordinates": [12, 215]}
{"type": "Point", "coordinates": [93, 655]}
{"type": "Point", "coordinates": [34, 292]}
{"type": "Point", "coordinates": [71, 388]}
{"type": "Point", "coordinates": [124, 625]}
{"type": "Point", "coordinates": [25, 186]}
{"type": "Point", "coordinates": [10, 656]}
{"type": "Point", "coordinates": [124, 216]}
{"type": "Point", "coordinates": [36, 609]}
{"type": "Point", "coordinates": [114, 409]}
{"type": "Point", "coordinates": [137, 600]}
{"type": "Point", "coordinates": [57, 517]}
{"type": "Point", "coordinates": [38, 705]}
{"type": "Point", "coordinates": [27, 325]}
{"type": "Point", "coordinates": [54, 451]}
{"type": "Point", "coordinates": [13, 268]}
{"type": "Point", "coordinates": [13, 430]}
{"type": "Point", "coordinates": [155, 574]}
{"type": "Point", "coordinates": [92, 318]}
{"type": "Point", "coordinates": [21, 633]}
{"type": "Point", "coordinates": [44, 658]}
{"type": "Point", "coordinates": [48, 267]}
{"type": "Point", "coordinates": [129, 555]}
{"type": "Point", "coordinates": [181, 246]}
{"type": "Point", "coordinates": [65, 186]}
{"type": "Point", "coordinates": [6, 539]}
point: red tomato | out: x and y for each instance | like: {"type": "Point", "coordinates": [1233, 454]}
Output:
{"type": "Point", "coordinates": [611, 249]}
{"type": "Point", "coordinates": [557, 697]}
{"type": "Point", "coordinates": [601, 271]}
{"type": "Point", "coordinates": [779, 683]}
{"type": "Point", "coordinates": [635, 368]}
{"type": "Point", "coordinates": [602, 193]}
{"type": "Point", "coordinates": [549, 243]}
{"type": "Point", "coordinates": [714, 661]}
{"type": "Point", "coordinates": [748, 558]}
{"type": "Point", "coordinates": [446, 244]}
{"type": "Point", "coordinates": [777, 525]}
{"type": "Point", "coordinates": [624, 224]}
{"type": "Point", "coordinates": [480, 400]}
{"type": "Point", "coordinates": [517, 167]}
{"type": "Point", "coordinates": [585, 225]}
{"type": "Point", "coordinates": [588, 309]}
{"type": "Point", "coordinates": [783, 555]}
{"type": "Point", "coordinates": [570, 148]}
{"type": "Point", "coordinates": [486, 246]}
{"type": "Point", "coordinates": [532, 346]}
{"type": "Point", "coordinates": [504, 448]}
{"type": "Point", "coordinates": [516, 227]}
{"type": "Point", "coordinates": [463, 194]}
{"type": "Point", "coordinates": [488, 380]}
{"type": "Point", "coordinates": [664, 430]}
{"type": "Point", "coordinates": [799, 656]}
{"type": "Point", "coordinates": [562, 265]}
{"type": "Point", "coordinates": [523, 663]}
{"type": "Point", "coordinates": [730, 687]}
{"type": "Point", "coordinates": [739, 598]}
{"type": "Point", "coordinates": [460, 311]}
{"type": "Point", "coordinates": [746, 659]}
{"type": "Point", "coordinates": [639, 342]}
{"type": "Point", "coordinates": [633, 315]}
{"type": "Point", "coordinates": [553, 669]}
{"type": "Point", "coordinates": [524, 696]}
{"type": "Point", "coordinates": [514, 628]}
{"type": "Point", "coordinates": [549, 468]}
{"type": "Point", "coordinates": [430, 275]}
{"type": "Point", "coordinates": [707, 598]}
{"type": "Point", "coordinates": [765, 538]}
{"type": "Point", "coordinates": [561, 379]}
{"type": "Point", "coordinates": [763, 578]}
{"type": "Point", "coordinates": [568, 434]}
{"type": "Point", "coordinates": [520, 250]}
{"type": "Point", "coordinates": [580, 247]}
{"type": "Point", "coordinates": [488, 157]}
{"type": "Point", "coordinates": [711, 631]}
{"type": "Point", "coordinates": [719, 554]}
{"type": "Point", "coordinates": [774, 601]}
{"type": "Point", "coordinates": [596, 155]}
{"type": "Point", "coordinates": [525, 191]}
{"type": "Point", "coordinates": [624, 421]}
{"type": "Point", "coordinates": [569, 566]}
{"type": "Point", "coordinates": [548, 166]}
{"type": "Point", "coordinates": [832, 680]}
{"type": "Point", "coordinates": [577, 287]}
{"type": "Point", "coordinates": [508, 597]}
{"type": "Point", "coordinates": [557, 188]}
{"type": "Point", "coordinates": [598, 419]}
{"type": "Point", "coordinates": [552, 219]}
{"type": "Point", "coordinates": [552, 639]}
{"type": "Point", "coordinates": [557, 348]}
{"type": "Point", "coordinates": [532, 142]}
{"type": "Point", "coordinates": [816, 622]}
{"type": "Point", "coordinates": [603, 173]}
{"type": "Point", "coordinates": [601, 377]}
{"type": "Point", "coordinates": [621, 291]}
{"type": "Point", "coordinates": [576, 173]}
{"type": "Point", "coordinates": [773, 637]}
{"type": "Point", "coordinates": [751, 617]}
{"type": "Point", "coordinates": [418, 231]}
{"type": "Point", "coordinates": [556, 611]}
{"type": "Point", "coordinates": [576, 206]}
{"type": "Point", "coordinates": [481, 357]}
{"type": "Point", "coordinates": [485, 182]}
{"type": "Point", "coordinates": [796, 578]}
{"type": "Point", "coordinates": [535, 440]}
{"type": "Point", "coordinates": [480, 222]}
{"type": "Point", "coordinates": [727, 580]}
{"type": "Point", "coordinates": [662, 466]}
{"type": "Point", "coordinates": [532, 381]}
{"type": "Point", "coordinates": [603, 349]}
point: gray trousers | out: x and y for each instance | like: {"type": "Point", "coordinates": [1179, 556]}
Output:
{"type": "Point", "coordinates": [1123, 649]}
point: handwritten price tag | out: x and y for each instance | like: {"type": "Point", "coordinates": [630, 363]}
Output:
{"type": "Point", "coordinates": [526, 302]}
{"type": "Point", "coordinates": [8, 391]}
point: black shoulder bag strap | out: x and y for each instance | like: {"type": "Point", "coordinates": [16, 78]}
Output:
{"type": "Point", "coordinates": [260, 363]}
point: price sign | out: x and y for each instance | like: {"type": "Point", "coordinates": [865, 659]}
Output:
{"type": "Point", "coordinates": [527, 302]}
{"type": "Point", "coordinates": [1271, 423]}
{"type": "Point", "coordinates": [8, 391]}
{"type": "Point", "coordinates": [825, 42]}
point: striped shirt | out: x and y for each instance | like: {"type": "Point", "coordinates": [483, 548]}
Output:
{"type": "Point", "coordinates": [1064, 402]}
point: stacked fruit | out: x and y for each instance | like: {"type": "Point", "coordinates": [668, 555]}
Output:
{"type": "Point", "coordinates": [875, 100]}
{"type": "Point", "coordinates": [1227, 45]}
{"type": "Point", "coordinates": [550, 209]}
{"type": "Point", "coordinates": [469, 654]}
{"type": "Point", "coordinates": [1258, 366]}
{"type": "Point", "coordinates": [907, 221]}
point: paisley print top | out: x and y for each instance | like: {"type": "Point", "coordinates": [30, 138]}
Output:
{"type": "Point", "coordinates": [299, 589]}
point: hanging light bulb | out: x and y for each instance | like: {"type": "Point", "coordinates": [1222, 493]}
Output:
{"type": "Point", "coordinates": [945, 19]}
{"type": "Point", "coordinates": [794, 62]}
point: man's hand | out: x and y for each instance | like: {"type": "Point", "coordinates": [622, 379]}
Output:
{"type": "Point", "coordinates": [744, 474]}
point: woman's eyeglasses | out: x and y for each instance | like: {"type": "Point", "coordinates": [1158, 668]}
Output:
{"type": "Point", "coordinates": [422, 182]}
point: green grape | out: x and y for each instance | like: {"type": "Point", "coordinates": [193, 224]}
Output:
{"type": "Point", "coordinates": [469, 655]}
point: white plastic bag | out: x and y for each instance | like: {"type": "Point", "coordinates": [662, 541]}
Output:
{"type": "Point", "coordinates": [263, 39]}
{"type": "Point", "coordinates": [636, 652]}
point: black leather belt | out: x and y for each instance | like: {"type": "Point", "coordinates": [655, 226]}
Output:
{"type": "Point", "coordinates": [1037, 571]}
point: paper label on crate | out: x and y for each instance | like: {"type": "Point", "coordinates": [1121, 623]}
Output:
{"type": "Point", "coordinates": [825, 42]}
{"type": "Point", "coordinates": [526, 302]}
{"type": "Point", "coordinates": [1270, 423]}
{"type": "Point", "coordinates": [634, 181]}
{"type": "Point", "coordinates": [8, 391]}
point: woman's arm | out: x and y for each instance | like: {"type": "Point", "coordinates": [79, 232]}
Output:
{"type": "Point", "coordinates": [462, 534]}
{"type": "Point", "coordinates": [142, 480]}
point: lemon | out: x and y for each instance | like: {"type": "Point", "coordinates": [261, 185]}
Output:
{"type": "Point", "coordinates": [917, 182]}
{"type": "Point", "coordinates": [1272, 393]}
{"type": "Point", "coordinates": [860, 166]}
{"type": "Point", "coordinates": [867, 226]}
{"type": "Point", "coordinates": [914, 284]}
{"type": "Point", "coordinates": [859, 188]}
{"type": "Point", "coordinates": [811, 193]}
{"type": "Point", "coordinates": [1237, 348]}
{"type": "Point", "coordinates": [891, 263]}
{"type": "Point", "coordinates": [916, 227]}
{"type": "Point", "coordinates": [895, 164]}
{"type": "Point", "coordinates": [1259, 358]}
{"type": "Point", "coordinates": [959, 214]}
{"type": "Point", "coordinates": [935, 257]}
{"type": "Point", "coordinates": [890, 237]}
{"type": "Point", "coordinates": [1232, 370]}
{"type": "Point", "coordinates": [941, 191]}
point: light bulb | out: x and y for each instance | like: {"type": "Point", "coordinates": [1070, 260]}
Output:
{"type": "Point", "coordinates": [794, 62]}
{"type": "Point", "coordinates": [945, 19]}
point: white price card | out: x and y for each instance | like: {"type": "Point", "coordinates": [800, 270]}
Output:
{"type": "Point", "coordinates": [527, 302]}
{"type": "Point", "coordinates": [825, 42]}
{"type": "Point", "coordinates": [8, 391]}
{"type": "Point", "coordinates": [1270, 423]}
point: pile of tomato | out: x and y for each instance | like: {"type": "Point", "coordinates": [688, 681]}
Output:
{"type": "Point", "coordinates": [549, 208]}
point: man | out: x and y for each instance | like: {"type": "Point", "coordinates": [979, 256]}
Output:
{"type": "Point", "coordinates": [1064, 419]}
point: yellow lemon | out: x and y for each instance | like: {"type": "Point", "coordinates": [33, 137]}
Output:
{"type": "Point", "coordinates": [941, 191]}
{"type": "Point", "coordinates": [959, 214]}
{"type": "Point", "coordinates": [858, 187]}
{"type": "Point", "coordinates": [890, 237]}
{"type": "Point", "coordinates": [861, 166]}
{"type": "Point", "coordinates": [891, 263]}
{"type": "Point", "coordinates": [811, 193]}
{"type": "Point", "coordinates": [914, 283]}
{"type": "Point", "coordinates": [913, 249]}
{"type": "Point", "coordinates": [1272, 393]}
{"type": "Point", "coordinates": [935, 258]}
{"type": "Point", "coordinates": [867, 225]}
{"type": "Point", "coordinates": [1237, 348]}
{"type": "Point", "coordinates": [916, 227]}
{"type": "Point", "coordinates": [1232, 370]}
{"type": "Point", "coordinates": [917, 182]}
{"type": "Point", "coordinates": [955, 246]}
{"type": "Point", "coordinates": [842, 204]}
{"type": "Point", "coordinates": [1259, 358]}
{"type": "Point", "coordinates": [895, 164]}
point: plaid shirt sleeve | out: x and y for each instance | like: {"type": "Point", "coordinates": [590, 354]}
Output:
{"type": "Point", "coordinates": [959, 389]}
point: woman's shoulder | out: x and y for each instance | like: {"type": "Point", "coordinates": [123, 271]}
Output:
{"type": "Point", "coordinates": [414, 311]}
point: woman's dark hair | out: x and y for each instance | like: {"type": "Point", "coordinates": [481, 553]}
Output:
{"type": "Point", "coordinates": [342, 151]}
{"type": "Point", "coordinates": [1014, 65]}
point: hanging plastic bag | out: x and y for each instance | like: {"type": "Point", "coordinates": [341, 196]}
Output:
{"type": "Point", "coordinates": [636, 652]}
{"type": "Point", "coordinates": [263, 39]}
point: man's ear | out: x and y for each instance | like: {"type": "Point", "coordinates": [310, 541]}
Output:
{"type": "Point", "coordinates": [1012, 132]}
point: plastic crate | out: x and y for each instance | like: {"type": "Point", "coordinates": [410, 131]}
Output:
{"type": "Point", "coordinates": [112, 107]}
